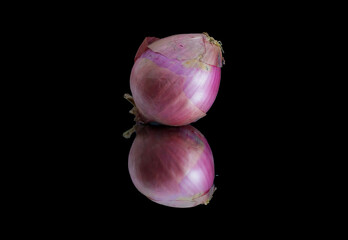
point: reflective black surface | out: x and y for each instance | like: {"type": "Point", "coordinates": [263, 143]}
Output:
{"type": "Point", "coordinates": [250, 127]}
{"type": "Point", "coordinates": [243, 127]}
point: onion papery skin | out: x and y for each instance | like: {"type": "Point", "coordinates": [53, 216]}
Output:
{"type": "Point", "coordinates": [175, 80]}
{"type": "Point", "coordinates": [172, 166]}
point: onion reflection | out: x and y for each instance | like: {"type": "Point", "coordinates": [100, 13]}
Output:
{"type": "Point", "coordinates": [172, 166]}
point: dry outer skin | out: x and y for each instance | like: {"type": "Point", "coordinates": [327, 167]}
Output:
{"type": "Point", "coordinates": [188, 47]}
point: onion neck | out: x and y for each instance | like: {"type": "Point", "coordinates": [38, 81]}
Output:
{"type": "Point", "coordinates": [213, 41]}
{"type": "Point", "coordinates": [216, 43]}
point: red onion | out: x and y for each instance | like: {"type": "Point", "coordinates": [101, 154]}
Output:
{"type": "Point", "coordinates": [172, 166]}
{"type": "Point", "coordinates": [175, 80]}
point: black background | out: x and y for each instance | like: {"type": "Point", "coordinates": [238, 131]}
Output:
{"type": "Point", "coordinates": [251, 127]}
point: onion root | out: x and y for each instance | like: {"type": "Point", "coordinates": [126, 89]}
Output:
{"type": "Point", "coordinates": [127, 134]}
{"type": "Point", "coordinates": [138, 118]}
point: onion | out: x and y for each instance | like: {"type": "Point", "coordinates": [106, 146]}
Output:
{"type": "Point", "coordinates": [175, 80]}
{"type": "Point", "coordinates": [172, 166]}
